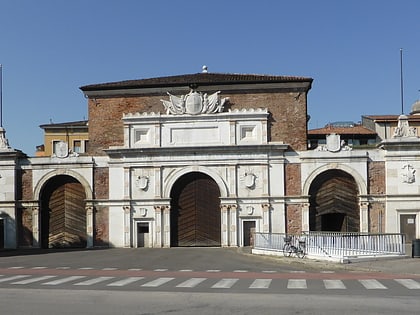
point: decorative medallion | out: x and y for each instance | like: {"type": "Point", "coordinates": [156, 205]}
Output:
{"type": "Point", "coordinates": [142, 182]}
{"type": "Point", "coordinates": [143, 212]}
{"type": "Point", "coordinates": [333, 142]}
{"type": "Point", "coordinates": [249, 179]}
{"type": "Point", "coordinates": [61, 150]}
{"type": "Point", "coordinates": [408, 174]}
{"type": "Point", "coordinates": [249, 210]}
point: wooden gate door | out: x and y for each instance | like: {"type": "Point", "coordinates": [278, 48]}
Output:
{"type": "Point", "coordinates": [195, 211]}
{"type": "Point", "coordinates": [334, 203]}
{"type": "Point", "coordinates": [63, 217]}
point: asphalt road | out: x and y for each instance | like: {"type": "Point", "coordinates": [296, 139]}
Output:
{"type": "Point", "coordinates": [65, 302]}
{"type": "Point", "coordinates": [194, 280]}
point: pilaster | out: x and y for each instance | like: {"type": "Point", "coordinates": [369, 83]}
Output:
{"type": "Point", "coordinates": [266, 217]}
{"type": "Point", "coordinates": [167, 226]}
{"type": "Point", "coordinates": [305, 217]}
{"type": "Point", "coordinates": [364, 217]}
{"type": "Point", "coordinates": [127, 225]}
{"type": "Point", "coordinates": [158, 226]}
{"type": "Point", "coordinates": [225, 224]}
{"type": "Point", "coordinates": [89, 226]}
{"type": "Point", "coordinates": [233, 225]}
{"type": "Point", "coordinates": [35, 227]}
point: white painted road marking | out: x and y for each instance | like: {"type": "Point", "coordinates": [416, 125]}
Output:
{"type": "Point", "coordinates": [334, 284]}
{"type": "Point", "coordinates": [64, 280]}
{"type": "Point", "coordinates": [409, 283]}
{"type": "Point", "coordinates": [94, 281]}
{"type": "Point", "coordinates": [191, 283]}
{"type": "Point", "coordinates": [372, 284]}
{"type": "Point", "coordinates": [158, 282]}
{"type": "Point", "coordinates": [225, 284]}
{"type": "Point", "coordinates": [124, 282]}
{"type": "Point", "coordinates": [13, 278]}
{"type": "Point", "coordinates": [260, 284]}
{"type": "Point", "coordinates": [32, 280]}
{"type": "Point", "coordinates": [297, 284]}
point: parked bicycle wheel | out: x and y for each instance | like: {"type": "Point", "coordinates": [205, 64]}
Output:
{"type": "Point", "coordinates": [287, 250]}
{"type": "Point", "coordinates": [300, 253]}
{"type": "Point", "coordinates": [301, 249]}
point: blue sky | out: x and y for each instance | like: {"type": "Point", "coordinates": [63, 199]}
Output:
{"type": "Point", "coordinates": [49, 48]}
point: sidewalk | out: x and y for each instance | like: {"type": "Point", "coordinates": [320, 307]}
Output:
{"type": "Point", "coordinates": [403, 265]}
{"type": "Point", "coordinates": [400, 265]}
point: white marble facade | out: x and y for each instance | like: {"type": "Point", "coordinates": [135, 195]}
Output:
{"type": "Point", "coordinates": [230, 147]}
{"type": "Point", "coordinates": [195, 134]}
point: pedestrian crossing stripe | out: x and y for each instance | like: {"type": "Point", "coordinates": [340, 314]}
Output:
{"type": "Point", "coordinates": [408, 283]}
{"type": "Point", "coordinates": [157, 283]}
{"type": "Point", "coordinates": [225, 283]}
{"type": "Point", "coordinates": [297, 284]}
{"type": "Point", "coordinates": [13, 278]}
{"type": "Point", "coordinates": [32, 280]}
{"type": "Point", "coordinates": [94, 281]}
{"type": "Point", "coordinates": [372, 284]}
{"type": "Point", "coordinates": [260, 284]}
{"type": "Point", "coordinates": [63, 280]}
{"type": "Point", "coordinates": [191, 283]}
{"type": "Point", "coordinates": [124, 282]}
{"type": "Point", "coordinates": [334, 284]}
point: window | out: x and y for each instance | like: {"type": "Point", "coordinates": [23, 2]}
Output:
{"type": "Point", "coordinates": [77, 146]}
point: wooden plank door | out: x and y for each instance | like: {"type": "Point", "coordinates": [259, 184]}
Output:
{"type": "Point", "coordinates": [195, 212]}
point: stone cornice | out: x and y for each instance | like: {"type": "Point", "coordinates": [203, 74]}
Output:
{"type": "Point", "coordinates": [120, 152]}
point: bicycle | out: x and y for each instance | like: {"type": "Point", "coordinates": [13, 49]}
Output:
{"type": "Point", "coordinates": [289, 248]}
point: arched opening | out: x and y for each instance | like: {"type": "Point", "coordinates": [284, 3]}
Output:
{"type": "Point", "coordinates": [334, 203]}
{"type": "Point", "coordinates": [195, 211]}
{"type": "Point", "coordinates": [63, 214]}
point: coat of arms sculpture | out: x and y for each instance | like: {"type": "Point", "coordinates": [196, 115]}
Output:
{"type": "Point", "coordinates": [194, 103]}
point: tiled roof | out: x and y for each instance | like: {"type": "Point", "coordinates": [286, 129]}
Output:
{"type": "Point", "coordinates": [391, 118]}
{"type": "Point", "coordinates": [356, 130]}
{"type": "Point", "coordinates": [197, 78]}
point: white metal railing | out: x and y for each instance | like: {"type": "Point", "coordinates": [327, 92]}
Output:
{"type": "Point", "coordinates": [337, 245]}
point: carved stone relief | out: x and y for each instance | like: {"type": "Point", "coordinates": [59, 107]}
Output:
{"type": "Point", "coordinates": [194, 103]}
{"type": "Point", "coordinates": [408, 174]}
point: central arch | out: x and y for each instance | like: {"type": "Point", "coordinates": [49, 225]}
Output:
{"type": "Point", "coordinates": [195, 211]}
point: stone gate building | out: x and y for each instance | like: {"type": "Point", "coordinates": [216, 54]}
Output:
{"type": "Point", "coordinates": [203, 160]}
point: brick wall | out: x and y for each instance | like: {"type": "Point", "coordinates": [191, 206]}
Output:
{"type": "Point", "coordinates": [294, 218]}
{"type": "Point", "coordinates": [288, 120]}
{"type": "Point", "coordinates": [24, 225]}
{"type": "Point", "coordinates": [292, 180]}
{"type": "Point", "coordinates": [377, 217]}
{"type": "Point", "coordinates": [101, 219]}
{"type": "Point", "coordinates": [101, 231]}
{"type": "Point", "coordinates": [24, 185]}
{"type": "Point", "coordinates": [101, 183]}
{"type": "Point", "coordinates": [376, 186]}
{"type": "Point", "coordinates": [376, 178]}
